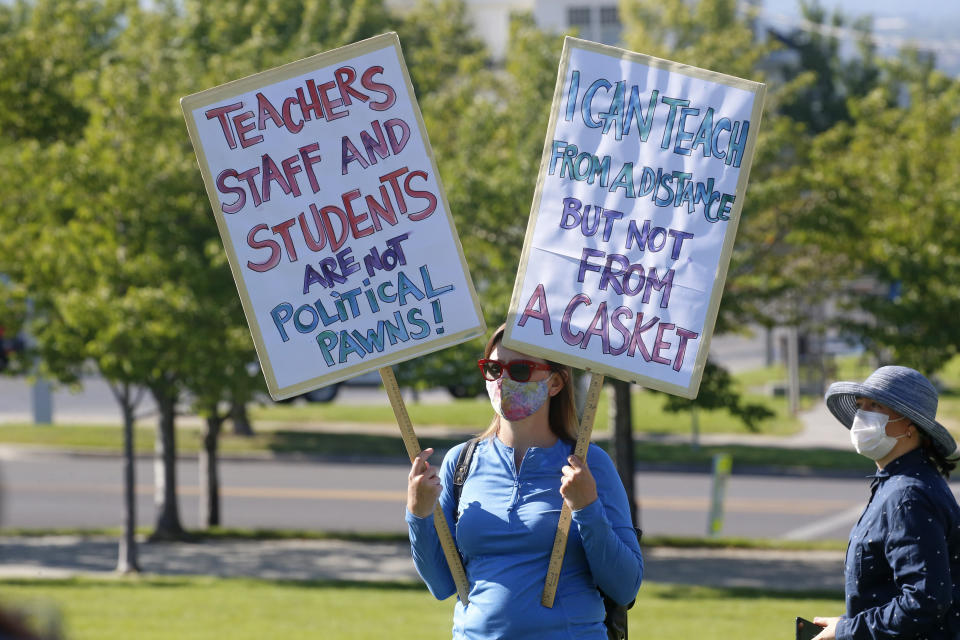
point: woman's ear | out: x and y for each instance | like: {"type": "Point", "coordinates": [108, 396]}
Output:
{"type": "Point", "coordinates": [557, 381]}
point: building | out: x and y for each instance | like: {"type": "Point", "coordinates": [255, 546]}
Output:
{"type": "Point", "coordinates": [597, 20]}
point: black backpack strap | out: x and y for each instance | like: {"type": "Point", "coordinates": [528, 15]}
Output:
{"type": "Point", "coordinates": [460, 474]}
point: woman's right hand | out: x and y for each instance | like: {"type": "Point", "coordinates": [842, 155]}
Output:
{"type": "Point", "coordinates": [829, 628]}
{"type": "Point", "coordinates": [423, 486]}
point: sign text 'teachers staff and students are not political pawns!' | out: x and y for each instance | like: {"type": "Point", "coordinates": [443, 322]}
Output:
{"type": "Point", "coordinates": [642, 179]}
{"type": "Point", "coordinates": [338, 233]}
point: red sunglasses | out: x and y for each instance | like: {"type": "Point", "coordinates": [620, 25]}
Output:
{"type": "Point", "coordinates": [519, 370]}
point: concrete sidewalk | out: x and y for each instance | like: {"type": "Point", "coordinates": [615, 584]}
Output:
{"type": "Point", "coordinates": [64, 556]}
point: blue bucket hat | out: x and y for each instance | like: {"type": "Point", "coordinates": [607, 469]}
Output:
{"type": "Point", "coordinates": [902, 389]}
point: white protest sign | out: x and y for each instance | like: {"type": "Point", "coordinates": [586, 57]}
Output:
{"type": "Point", "coordinates": [329, 204]}
{"type": "Point", "coordinates": [641, 184]}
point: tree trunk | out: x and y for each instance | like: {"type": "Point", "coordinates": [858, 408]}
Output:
{"type": "Point", "coordinates": [241, 420]}
{"type": "Point", "coordinates": [209, 479]}
{"type": "Point", "coordinates": [127, 560]}
{"type": "Point", "coordinates": [168, 525]}
{"type": "Point", "coordinates": [621, 425]}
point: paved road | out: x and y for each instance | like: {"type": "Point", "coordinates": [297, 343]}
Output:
{"type": "Point", "coordinates": [55, 490]}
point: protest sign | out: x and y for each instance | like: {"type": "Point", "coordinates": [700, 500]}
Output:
{"type": "Point", "coordinates": [637, 203]}
{"type": "Point", "coordinates": [329, 204]}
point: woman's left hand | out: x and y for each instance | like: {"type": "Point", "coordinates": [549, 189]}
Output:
{"type": "Point", "coordinates": [829, 628]}
{"type": "Point", "coordinates": [577, 487]}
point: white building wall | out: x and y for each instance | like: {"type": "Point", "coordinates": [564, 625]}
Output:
{"type": "Point", "coordinates": [491, 19]}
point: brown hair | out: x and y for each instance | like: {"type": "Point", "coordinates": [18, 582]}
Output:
{"type": "Point", "coordinates": [563, 411]}
{"type": "Point", "coordinates": [939, 460]}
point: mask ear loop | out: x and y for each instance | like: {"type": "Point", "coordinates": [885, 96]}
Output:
{"type": "Point", "coordinates": [907, 434]}
{"type": "Point", "coordinates": [554, 372]}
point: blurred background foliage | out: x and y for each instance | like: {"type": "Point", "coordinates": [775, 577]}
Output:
{"type": "Point", "coordinates": [110, 255]}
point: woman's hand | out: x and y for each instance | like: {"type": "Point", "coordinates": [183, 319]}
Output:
{"type": "Point", "coordinates": [577, 487]}
{"type": "Point", "coordinates": [423, 486]}
{"type": "Point", "coordinates": [829, 628]}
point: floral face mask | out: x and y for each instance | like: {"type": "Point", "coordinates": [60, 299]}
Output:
{"type": "Point", "coordinates": [514, 400]}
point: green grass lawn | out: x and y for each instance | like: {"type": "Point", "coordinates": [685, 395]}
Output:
{"type": "Point", "coordinates": [649, 416]}
{"type": "Point", "coordinates": [200, 608]}
{"type": "Point", "coordinates": [110, 438]}
{"type": "Point", "coordinates": [391, 446]}
{"type": "Point", "coordinates": [474, 415]}
{"type": "Point", "coordinates": [286, 428]}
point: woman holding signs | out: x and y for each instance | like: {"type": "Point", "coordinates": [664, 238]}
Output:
{"type": "Point", "coordinates": [519, 476]}
{"type": "Point", "coordinates": [903, 559]}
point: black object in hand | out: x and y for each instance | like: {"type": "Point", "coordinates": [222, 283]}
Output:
{"type": "Point", "coordinates": [806, 630]}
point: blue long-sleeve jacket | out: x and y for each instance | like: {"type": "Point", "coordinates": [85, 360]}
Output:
{"type": "Point", "coordinates": [505, 531]}
{"type": "Point", "coordinates": [903, 561]}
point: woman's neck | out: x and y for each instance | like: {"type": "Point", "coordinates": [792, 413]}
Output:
{"type": "Point", "coordinates": [520, 435]}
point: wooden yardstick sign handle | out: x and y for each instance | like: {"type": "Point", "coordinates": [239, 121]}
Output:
{"type": "Point", "coordinates": [412, 443]}
{"type": "Point", "coordinates": [566, 515]}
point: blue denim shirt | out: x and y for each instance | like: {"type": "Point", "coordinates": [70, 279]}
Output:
{"type": "Point", "coordinates": [902, 556]}
{"type": "Point", "coordinates": [507, 522]}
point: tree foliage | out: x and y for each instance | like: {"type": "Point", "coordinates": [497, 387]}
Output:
{"type": "Point", "coordinates": [828, 79]}
{"type": "Point", "coordinates": [43, 46]}
{"type": "Point", "coordinates": [717, 35]}
{"type": "Point", "coordinates": [108, 239]}
{"type": "Point", "coordinates": [110, 256]}
{"type": "Point", "coordinates": [885, 202]}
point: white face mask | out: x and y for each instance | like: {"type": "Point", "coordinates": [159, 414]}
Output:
{"type": "Point", "coordinates": [869, 436]}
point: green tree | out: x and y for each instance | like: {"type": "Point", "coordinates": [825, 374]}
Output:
{"type": "Point", "coordinates": [47, 254]}
{"type": "Point", "coordinates": [439, 46]}
{"type": "Point", "coordinates": [108, 230]}
{"type": "Point", "coordinates": [486, 127]}
{"type": "Point", "coordinates": [204, 46]}
{"type": "Point", "coordinates": [886, 204]}
{"type": "Point", "coordinates": [43, 46]}
{"type": "Point", "coordinates": [233, 39]}
{"type": "Point", "coordinates": [717, 35]}
{"type": "Point", "coordinates": [828, 80]}
{"type": "Point", "coordinates": [223, 42]}
{"type": "Point", "coordinates": [712, 34]}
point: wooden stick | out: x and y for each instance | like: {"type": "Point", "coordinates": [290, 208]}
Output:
{"type": "Point", "coordinates": [566, 515]}
{"type": "Point", "coordinates": [413, 450]}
